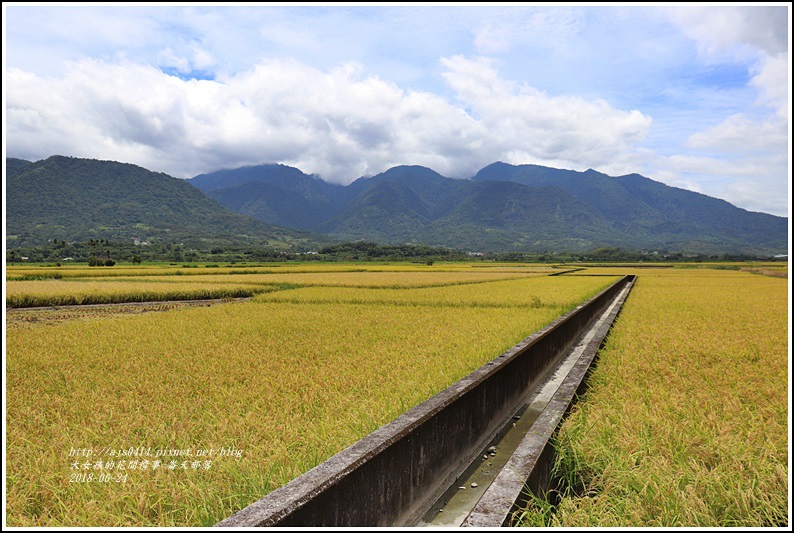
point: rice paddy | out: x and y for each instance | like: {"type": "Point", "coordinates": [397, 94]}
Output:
{"type": "Point", "coordinates": [62, 292]}
{"type": "Point", "coordinates": [238, 398]}
{"type": "Point", "coordinates": [82, 286]}
{"type": "Point", "coordinates": [685, 422]}
{"type": "Point", "coordinates": [22, 273]}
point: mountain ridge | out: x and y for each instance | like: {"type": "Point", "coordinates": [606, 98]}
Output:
{"type": "Point", "coordinates": [75, 199]}
{"type": "Point", "coordinates": [502, 208]}
{"type": "Point", "coordinates": [625, 211]}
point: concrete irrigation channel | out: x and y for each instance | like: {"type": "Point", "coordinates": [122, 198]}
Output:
{"type": "Point", "coordinates": [464, 457]}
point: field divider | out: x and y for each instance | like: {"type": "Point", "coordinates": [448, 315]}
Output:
{"type": "Point", "coordinates": [527, 471]}
{"type": "Point", "coordinates": [73, 307]}
{"type": "Point", "coordinates": [394, 476]}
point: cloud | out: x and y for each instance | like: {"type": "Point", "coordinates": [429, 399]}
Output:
{"type": "Point", "coordinates": [745, 157]}
{"type": "Point", "coordinates": [720, 29]}
{"type": "Point", "coordinates": [771, 79]}
{"type": "Point", "coordinates": [739, 136]}
{"type": "Point", "coordinates": [168, 59]}
{"type": "Point", "coordinates": [742, 161]}
{"type": "Point", "coordinates": [512, 27]}
{"type": "Point", "coordinates": [186, 90]}
{"type": "Point", "coordinates": [527, 125]}
{"type": "Point", "coordinates": [490, 40]}
{"type": "Point", "coordinates": [338, 123]}
{"type": "Point", "coordinates": [750, 182]}
{"type": "Point", "coordinates": [201, 58]}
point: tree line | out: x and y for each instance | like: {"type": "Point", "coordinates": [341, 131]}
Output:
{"type": "Point", "coordinates": [105, 252]}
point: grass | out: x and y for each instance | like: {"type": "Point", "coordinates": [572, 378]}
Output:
{"type": "Point", "coordinates": [685, 422]}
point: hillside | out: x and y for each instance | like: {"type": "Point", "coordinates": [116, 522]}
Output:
{"type": "Point", "coordinates": [274, 193]}
{"type": "Point", "coordinates": [14, 166]}
{"type": "Point", "coordinates": [655, 214]}
{"type": "Point", "coordinates": [524, 218]}
{"type": "Point", "coordinates": [76, 199]}
{"type": "Point", "coordinates": [502, 208]}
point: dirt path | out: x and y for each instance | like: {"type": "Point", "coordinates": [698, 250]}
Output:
{"type": "Point", "coordinates": [31, 316]}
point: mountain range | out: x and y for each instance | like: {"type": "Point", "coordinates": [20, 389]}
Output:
{"type": "Point", "coordinates": [72, 199]}
{"type": "Point", "coordinates": [501, 208]}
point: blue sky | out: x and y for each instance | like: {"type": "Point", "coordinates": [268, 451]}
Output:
{"type": "Point", "coordinates": [695, 97]}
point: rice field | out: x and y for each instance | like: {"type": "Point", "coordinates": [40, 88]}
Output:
{"type": "Point", "coordinates": [360, 279]}
{"type": "Point", "coordinates": [686, 419]}
{"type": "Point", "coordinates": [562, 294]}
{"type": "Point", "coordinates": [56, 292]}
{"type": "Point", "coordinates": [179, 413]}
{"type": "Point", "coordinates": [49, 316]}
{"type": "Point", "coordinates": [21, 273]}
{"type": "Point", "coordinates": [184, 416]}
{"type": "Point", "coordinates": [85, 289]}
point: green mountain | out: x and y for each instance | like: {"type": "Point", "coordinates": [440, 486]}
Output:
{"type": "Point", "coordinates": [523, 218]}
{"type": "Point", "coordinates": [502, 208]}
{"type": "Point", "coordinates": [397, 206]}
{"type": "Point", "coordinates": [76, 199]}
{"type": "Point", "coordinates": [14, 166]}
{"type": "Point", "coordinates": [270, 204]}
{"type": "Point", "coordinates": [387, 211]}
{"type": "Point", "coordinates": [652, 214]}
{"type": "Point", "coordinates": [438, 195]}
{"type": "Point", "coordinates": [275, 193]}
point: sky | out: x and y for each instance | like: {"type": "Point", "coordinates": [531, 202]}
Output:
{"type": "Point", "coordinates": [695, 97]}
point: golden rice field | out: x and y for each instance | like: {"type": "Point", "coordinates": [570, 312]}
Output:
{"type": "Point", "coordinates": [354, 279]}
{"type": "Point", "coordinates": [98, 290]}
{"type": "Point", "coordinates": [56, 292]}
{"type": "Point", "coordinates": [686, 420]}
{"type": "Point", "coordinates": [527, 292]}
{"type": "Point", "coordinates": [240, 397]}
{"type": "Point", "coordinates": [48, 316]}
{"type": "Point", "coordinates": [82, 271]}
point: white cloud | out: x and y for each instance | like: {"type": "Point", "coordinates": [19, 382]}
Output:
{"type": "Point", "coordinates": [168, 59]}
{"type": "Point", "coordinates": [742, 161]}
{"type": "Point", "coordinates": [490, 40]}
{"type": "Point", "coordinates": [738, 135]}
{"type": "Point", "coordinates": [745, 157]}
{"type": "Point", "coordinates": [201, 58]}
{"type": "Point", "coordinates": [338, 123]}
{"type": "Point", "coordinates": [511, 27]}
{"type": "Point", "coordinates": [519, 119]}
{"type": "Point", "coordinates": [771, 79]}
{"type": "Point", "coordinates": [749, 182]}
{"type": "Point", "coordinates": [571, 87]}
{"type": "Point", "coordinates": [720, 29]}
